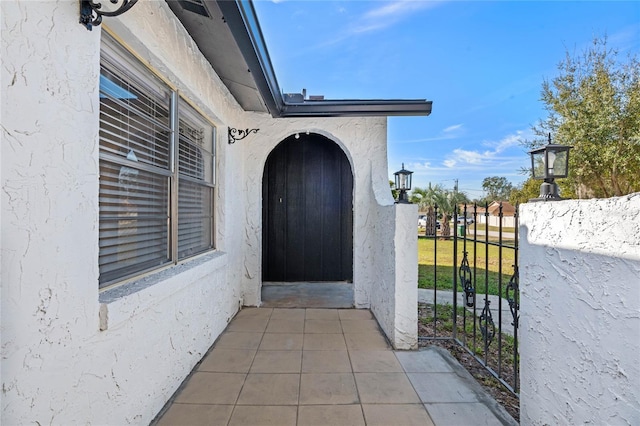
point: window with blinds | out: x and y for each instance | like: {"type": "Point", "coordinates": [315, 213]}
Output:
{"type": "Point", "coordinates": [195, 185]}
{"type": "Point", "coordinates": [146, 165]}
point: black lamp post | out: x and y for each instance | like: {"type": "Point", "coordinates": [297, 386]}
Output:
{"type": "Point", "coordinates": [403, 184]}
{"type": "Point", "coordinates": [547, 163]}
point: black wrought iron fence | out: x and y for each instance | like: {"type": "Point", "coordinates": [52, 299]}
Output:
{"type": "Point", "coordinates": [480, 309]}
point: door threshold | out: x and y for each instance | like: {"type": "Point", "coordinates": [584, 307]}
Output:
{"type": "Point", "coordinates": [334, 295]}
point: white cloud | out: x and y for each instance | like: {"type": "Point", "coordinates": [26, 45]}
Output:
{"type": "Point", "coordinates": [508, 141]}
{"type": "Point", "coordinates": [453, 128]}
{"type": "Point", "coordinates": [448, 133]}
{"type": "Point", "coordinates": [469, 166]}
{"type": "Point", "coordinates": [388, 11]}
{"type": "Point", "coordinates": [378, 19]}
{"type": "Point", "coordinates": [398, 8]}
{"type": "Point", "coordinates": [470, 157]}
{"type": "Point", "coordinates": [623, 40]}
{"type": "Point", "coordinates": [493, 157]}
{"type": "Point", "coordinates": [389, 14]}
{"type": "Point", "coordinates": [418, 166]}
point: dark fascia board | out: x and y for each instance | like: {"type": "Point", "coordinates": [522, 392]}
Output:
{"type": "Point", "coordinates": [341, 108]}
{"type": "Point", "coordinates": [243, 22]}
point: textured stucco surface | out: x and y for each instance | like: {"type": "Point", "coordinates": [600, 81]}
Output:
{"type": "Point", "coordinates": [72, 355]}
{"type": "Point", "coordinates": [405, 324]}
{"type": "Point", "coordinates": [394, 297]}
{"type": "Point", "coordinates": [580, 312]}
{"type": "Point", "coordinates": [363, 142]}
{"type": "Point", "coordinates": [58, 367]}
{"type": "Point", "coordinates": [384, 239]}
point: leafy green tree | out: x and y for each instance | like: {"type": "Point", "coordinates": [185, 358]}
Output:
{"type": "Point", "coordinates": [527, 190]}
{"type": "Point", "coordinates": [394, 191]}
{"type": "Point", "coordinates": [593, 104]}
{"type": "Point", "coordinates": [496, 188]}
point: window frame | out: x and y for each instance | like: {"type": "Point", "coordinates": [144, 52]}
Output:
{"type": "Point", "coordinates": [126, 64]}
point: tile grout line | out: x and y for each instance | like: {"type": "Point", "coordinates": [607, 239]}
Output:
{"type": "Point", "coordinates": [353, 375]}
{"type": "Point", "coordinates": [165, 408]}
{"type": "Point", "coordinates": [235, 405]}
{"type": "Point", "coordinates": [406, 374]}
{"type": "Point", "coordinates": [304, 320]}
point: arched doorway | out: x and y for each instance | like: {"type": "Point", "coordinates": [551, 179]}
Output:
{"type": "Point", "coordinates": [307, 212]}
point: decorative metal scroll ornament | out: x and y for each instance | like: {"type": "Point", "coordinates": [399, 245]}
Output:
{"type": "Point", "coordinates": [239, 134]}
{"type": "Point", "coordinates": [487, 326]}
{"type": "Point", "coordinates": [91, 13]}
{"type": "Point", "coordinates": [512, 296]}
{"type": "Point", "coordinates": [465, 280]}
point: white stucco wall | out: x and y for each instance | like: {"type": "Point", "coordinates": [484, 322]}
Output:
{"type": "Point", "coordinates": [72, 355]}
{"type": "Point", "coordinates": [384, 239]}
{"type": "Point", "coordinates": [394, 296]}
{"type": "Point", "coordinates": [364, 142]}
{"type": "Point", "coordinates": [580, 312]}
{"type": "Point", "coordinates": [58, 366]}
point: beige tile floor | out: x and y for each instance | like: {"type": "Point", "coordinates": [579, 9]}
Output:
{"type": "Point", "coordinates": [275, 366]}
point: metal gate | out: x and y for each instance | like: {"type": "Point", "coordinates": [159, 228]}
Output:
{"type": "Point", "coordinates": [480, 313]}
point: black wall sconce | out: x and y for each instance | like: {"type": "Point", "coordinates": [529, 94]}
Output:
{"type": "Point", "coordinates": [91, 13]}
{"type": "Point", "coordinates": [239, 134]}
{"type": "Point", "coordinates": [403, 184]}
{"type": "Point", "coordinates": [548, 163]}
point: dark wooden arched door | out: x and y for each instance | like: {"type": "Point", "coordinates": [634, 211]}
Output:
{"type": "Point", "coordinates": [307, 212]}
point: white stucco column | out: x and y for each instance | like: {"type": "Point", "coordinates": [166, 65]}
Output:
{"type": "Point", "coordinates": [580, 311]}
{"type": "Point", "coordinates": [405, 333]}
{"type": "Point", "coordinates": [394, 292]}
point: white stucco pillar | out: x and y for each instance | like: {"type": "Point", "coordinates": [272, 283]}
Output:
{"type": "Point", "coordinates": [405, 333]}
{"type": "Point", "coordinates": [394, 291]}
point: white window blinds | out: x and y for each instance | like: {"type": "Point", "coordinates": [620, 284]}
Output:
{"type": "Point", "coordinates": [137, 178]}
{"type": "Point", "coordinates": [195, 185]}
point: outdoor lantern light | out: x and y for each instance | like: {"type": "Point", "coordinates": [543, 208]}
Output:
{"type": "Point", "coordinates": [547, 163]}
{"type": "Point", "coordinates": [403, 184]}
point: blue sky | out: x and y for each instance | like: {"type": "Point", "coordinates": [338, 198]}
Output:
{"type": "Point", "coordinates": [482, 64]}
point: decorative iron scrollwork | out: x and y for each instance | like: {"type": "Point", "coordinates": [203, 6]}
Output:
{"type": "Point", "coordinates": [512, 291]}
{"type": "Point", "coordinates": [465, 280]}
{"type": "Point", "coordinates": [487, 326]}
{"type": "Point", "coordinates": [91, 13]}
{"type": "Point", "coordinates": [239, 134]}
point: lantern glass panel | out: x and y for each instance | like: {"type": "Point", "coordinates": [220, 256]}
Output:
{"type": "Point", "coordinates": [537, 165]}
{"type": "Point", "coordinates": [558, 164]}
{"type": "Point", "coordinates": [403, 181]}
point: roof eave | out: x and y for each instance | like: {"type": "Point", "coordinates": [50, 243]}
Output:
{"type": "Point", "coordinates": [242, 20]}
{"type": "Point", "coordinates": [342, 108]}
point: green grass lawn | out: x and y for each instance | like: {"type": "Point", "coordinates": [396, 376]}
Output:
{"type": "Point", "coordinates": [482, 227]}
{"type": "Point", "coordinates": [478, 227]}
{"type": "Point", "coordinates": [486, 275]}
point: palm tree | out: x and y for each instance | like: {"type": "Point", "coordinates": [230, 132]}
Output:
{"type": "Point", "coordinates": [447, 203]}
{"type": "Point", "coordinates": [444, 200]}
{"type": "Point", "coordinates": [426, 199]}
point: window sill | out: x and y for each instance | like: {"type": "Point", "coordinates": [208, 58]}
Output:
{"type": "Point", "coordinates": [120, 304]}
